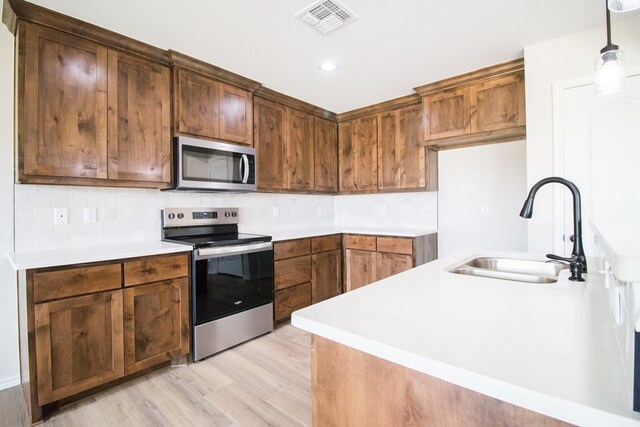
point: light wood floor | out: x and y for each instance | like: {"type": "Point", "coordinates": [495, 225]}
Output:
{"type": "Point", "coordinates": [264, 382]}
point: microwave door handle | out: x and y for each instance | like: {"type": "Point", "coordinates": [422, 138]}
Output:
{"type": "Point", "coordinates": [245, 161]}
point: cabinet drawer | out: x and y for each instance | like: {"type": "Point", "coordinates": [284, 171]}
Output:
{"type": "Point", "coordinates": [289, 300]}
{"type": "Point", "coordinates": [48, 285]}
{"type": "Point", "coordinates": [154, 269]}
{"type": "Point", "coordinates": [291, 272]}
{"type": "Point", "coordinates": [326, 243]}
{"type": "Point", "coordinates": [398, 245]}
{"type": "Point", "coordinates": [354, 241]}
{"type": "Point", "coordinates": [291, 248]}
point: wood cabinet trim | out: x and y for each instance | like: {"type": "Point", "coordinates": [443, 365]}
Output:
{"type": "Point", "coordinates": [393, 104]}
{"type": "Point", "coordinates": [289, 101]}
{"type": "Point", "coordinates": [181, 60]}
{"type": "Point", "coordinates": [506, 135]}
{"type": "Point", "coordinates": [472, 77]}
{"type": "Point", "coordinates": [14, 10]}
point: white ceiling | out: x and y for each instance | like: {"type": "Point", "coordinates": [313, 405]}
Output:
{"type": "Point", "coordinates": [392, 47]}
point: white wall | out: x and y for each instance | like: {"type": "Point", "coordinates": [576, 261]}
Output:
{"type": "Point", "coordinates": [559, 60]}
{"type": "Point", "coordinates": [9, 366]}
{"type": "Point", "coordinates": [490, 176]}
{"type": "Point", "coordinates": [133, 215]}
{"type": "Point", "coordinates": [395, 210]}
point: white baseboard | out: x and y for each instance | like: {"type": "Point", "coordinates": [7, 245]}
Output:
{"type": "Point", "coordinates": [9, 382]}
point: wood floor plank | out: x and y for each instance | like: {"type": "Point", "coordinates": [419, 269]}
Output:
{"type": "Point", "coordinates": [264, 382]}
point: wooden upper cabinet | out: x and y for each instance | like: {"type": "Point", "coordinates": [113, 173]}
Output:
{"type": "Point", "coordinates": [88, 114]}
{"type": "Point", "coordinates": [212, 109]}
{"type": "Point", "coordinates": [197, 106]}
{"type": "Point", "coordinates": [481, 107]}
{"type": "Point", "coordinates": [401, 156]}
{"type": "Point", "coordinates": [62, 106]}
{"type": "Point", "coordinates": [79, 344]}
{"type": "Point", "coordinates": [447, 114]}
{"type": "Point", "coordinates": [325, 155]}
{"type": "Point", "coordinates": [269, 140]}
{"type": "Point", "coordinates": [236, 114]}
{"type": "Point", "coordinates": [498, 103]}
{"type": "Point", "coordinates": [299, 150]}
{"type": "Point", "coordinates": [358, 153]}
{"type": "Point", "coordinates": [139, 119]}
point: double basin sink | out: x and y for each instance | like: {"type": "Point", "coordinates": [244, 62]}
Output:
{"type": "Point", "coordinates": [518, 270]}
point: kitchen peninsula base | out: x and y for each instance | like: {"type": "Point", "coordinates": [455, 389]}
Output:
{"type": "Point", "coordinates": [350, 387]}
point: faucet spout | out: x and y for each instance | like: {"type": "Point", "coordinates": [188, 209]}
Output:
{"type": "Point", "coordinates": [578, 260]}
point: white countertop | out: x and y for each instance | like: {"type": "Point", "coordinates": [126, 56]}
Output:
{"type": "Point", "coordinates": [57, 257]}
{"type": "Point", "coordinates": [279, 235]}
{"type": "Point", "coordinates": [547, 348]}
{"type": "Point", "coordinates": [619, 238]}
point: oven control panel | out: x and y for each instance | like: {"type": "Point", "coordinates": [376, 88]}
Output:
{"type": "Point", "coordinates": [183, 217]}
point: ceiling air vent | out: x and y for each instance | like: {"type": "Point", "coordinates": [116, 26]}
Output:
{"type": "Point", "coordinates": [326, 16]}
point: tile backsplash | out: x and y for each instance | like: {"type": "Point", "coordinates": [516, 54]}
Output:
{"type": "Point", "coordinates": [133, 215]}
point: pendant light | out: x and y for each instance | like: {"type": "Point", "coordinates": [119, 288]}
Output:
{"type": "Point", "coordinates": [609, 65]}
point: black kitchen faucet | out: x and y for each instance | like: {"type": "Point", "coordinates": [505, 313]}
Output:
{"type": "Point", "coordinates": [577, 261]}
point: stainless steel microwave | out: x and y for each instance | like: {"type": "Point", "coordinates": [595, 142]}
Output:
{"type": "Point", "coordinates": [202, 165]}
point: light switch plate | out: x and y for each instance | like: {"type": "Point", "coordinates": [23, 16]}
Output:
{"type": "Point", "coordinates": [90, 215]}
{"type": "Point", "coordinates": [61, 216]}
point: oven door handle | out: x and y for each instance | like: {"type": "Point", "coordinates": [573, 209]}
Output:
{"type": "Point", "coordinates": [219, 252]}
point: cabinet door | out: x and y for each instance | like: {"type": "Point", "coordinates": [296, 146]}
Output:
{"type": "Point", "coordinates": [325, 155]}
{"type": "Point", "coordinates": [286, 301]}
{"type": "Point", "coordinates": [236, 114]}
{"type": "Point", "coordinates": [299, 150]}
{"type": "Point", "coordinates": [79, 344]}
{"type": "Point", "coordinates": [326, 280]}
{"type": "Point", "coordinates": [139, 120]}
{"type": "Point", "coordinates": [401, 158]}
{"type": "Point", "coordinates": [156, 323]}
{"type": "Point", "coordinates": [360, 268]}
{"type": "Point", "coordinates": [498, 103]}
{"type": "Point", "coordinates": [197, 106]}
{"type": "Point", "coordinates": [269, 140]}
{"type": "Point", "coordinates": [446, 114]}
{"type": "Point", "coordinates": [358, 154]}
{"type": "Point", "coordinates": [390, 264]}
{"type": "Point", "coordinates": [62, 105]}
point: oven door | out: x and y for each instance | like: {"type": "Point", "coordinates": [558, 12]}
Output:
{"type": "Point", "coordinates": [210, 165]}
{"type": "Point", "coordinates": [232, 279]}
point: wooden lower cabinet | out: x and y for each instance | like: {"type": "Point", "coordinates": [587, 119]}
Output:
{"type": "Point", "coordinates": [353, 388]}
{"type": "Point", "coordinates": [82, 326]}
{"type": "Point", "coordinates": [326, 277]}
{"type": "Point", "coordinates": [156, 323]}
{"type": "Point", "coordinates": [360, 268]}
{"type": "Point", "coordinates": [368, 258]}
{"type": "Point", "coordinates": [78, 344]}
{"type": "Point", "coordinates": [291, 299]}
{"type": "Point", "coordinates": [388, 264]}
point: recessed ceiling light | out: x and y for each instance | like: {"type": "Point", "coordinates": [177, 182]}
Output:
{"type": "Point", "coordinates": [328, 66]}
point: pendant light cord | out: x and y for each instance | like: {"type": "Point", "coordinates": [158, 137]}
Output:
{"type": "Point", "coordinates": [609, 46]}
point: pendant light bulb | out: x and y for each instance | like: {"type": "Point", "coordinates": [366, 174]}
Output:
{"type": "Point", "coordinates": [610, 76]}
{"type": "Point", "coordinates": [609, 65]}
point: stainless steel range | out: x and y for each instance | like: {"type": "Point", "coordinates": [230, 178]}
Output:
{"type": "Point", "coordinates": [232, 277]}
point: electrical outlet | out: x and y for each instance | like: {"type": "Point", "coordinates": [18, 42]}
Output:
{"type": "Point", "coordinates": [61, 216]}
{"type": "Point", "coordinates": [275, 211]}
{"type": "Point", "coordinates": [90, 215]}
{"type": "Point", "coordinates": [484, 209]}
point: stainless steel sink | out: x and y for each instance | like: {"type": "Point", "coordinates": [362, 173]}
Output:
{"type": "Point", "coordinates": [519, 270]}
